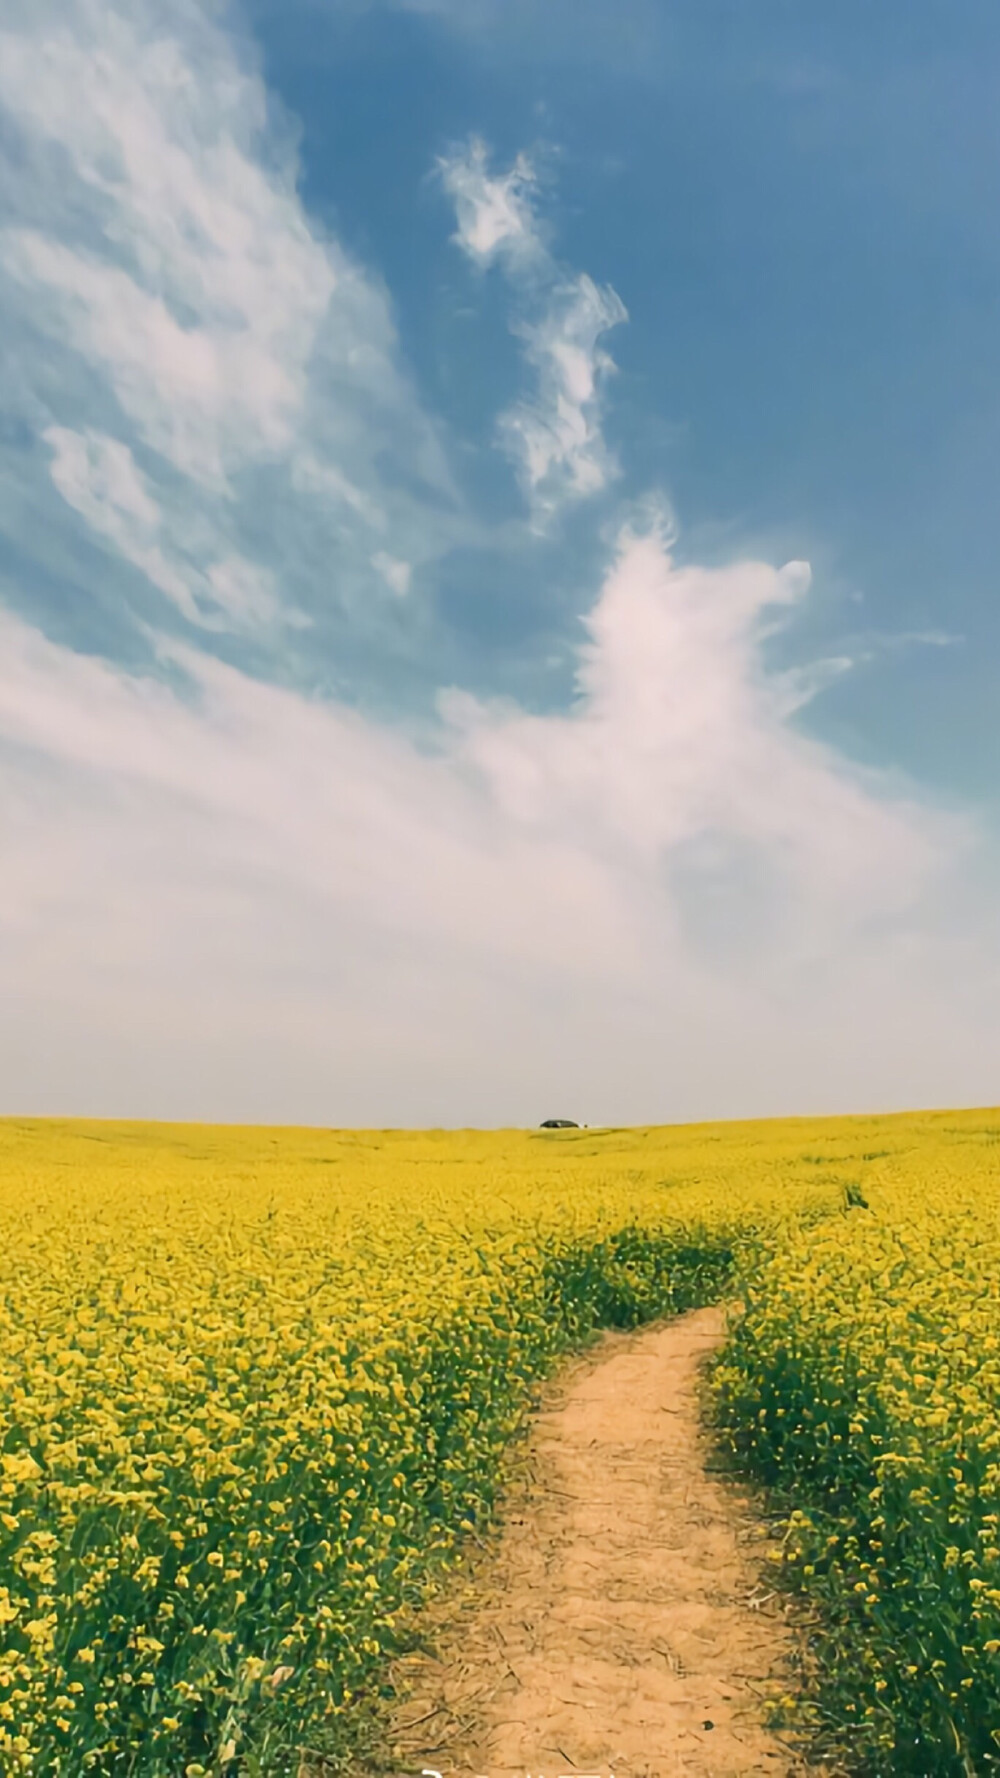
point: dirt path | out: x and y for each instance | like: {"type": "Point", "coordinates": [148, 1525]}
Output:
{"type": "Point", "coordinates": [623, 1625]}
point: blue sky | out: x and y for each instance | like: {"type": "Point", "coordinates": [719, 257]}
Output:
{"type": "Point", "coordinates": [497, 553]}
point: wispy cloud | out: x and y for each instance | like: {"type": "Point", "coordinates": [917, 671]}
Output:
{"type": "Point", "coordinates": [184, 268]}
{"type": "Point", "coordinates": [99, 478]}
{"type": "Point", "coordinates": [554, 436]}
{"type": "Point", "coordinates": [189, 343]}
{"type": "Point", "coordinates": [557, 435]}
{"type": "Point", "coordinates": [394, 572]}
{"type": "Point", "coordinates": [495, 212]}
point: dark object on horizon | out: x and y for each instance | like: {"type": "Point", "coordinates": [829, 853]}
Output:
{"type": "Point", "coordinates": [558, 1123]}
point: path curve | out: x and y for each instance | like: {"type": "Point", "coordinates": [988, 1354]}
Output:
{"type": "Point", "coordinates": [622, 1624]}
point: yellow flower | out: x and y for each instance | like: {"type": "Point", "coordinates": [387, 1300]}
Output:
{"type": "Point", "coordinates": [239, 1338]}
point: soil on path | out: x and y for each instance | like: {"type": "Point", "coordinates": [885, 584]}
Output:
{"type": "Point", "coordinates": [623, 1623]}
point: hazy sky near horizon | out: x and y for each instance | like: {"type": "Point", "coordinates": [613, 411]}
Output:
{"type": "Point", "coordinates": [498, 555]}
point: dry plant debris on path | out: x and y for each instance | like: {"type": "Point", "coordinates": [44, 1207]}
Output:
{"type": "Point", "coordinates": [622, 1624]}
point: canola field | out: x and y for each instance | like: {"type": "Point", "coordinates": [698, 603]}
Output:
{"type": "Point", "coordinates": [863, 1384]}
{"type": "Point", "coordinates": [255, 1386]}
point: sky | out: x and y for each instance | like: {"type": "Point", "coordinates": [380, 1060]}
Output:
{"type": "Point", "coordinates": [498, 554]}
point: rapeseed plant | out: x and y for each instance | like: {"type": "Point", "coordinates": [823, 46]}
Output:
{"type": "Point", "coordinates": [862, 1383]}
{"type": "Point", "coordinates": [255, 1386]}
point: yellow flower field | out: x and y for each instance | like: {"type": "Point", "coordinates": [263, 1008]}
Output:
{"type": "Point", "coordinates": [254, 1384]}
{"type": "Point", "coordinates": [863, 1382]}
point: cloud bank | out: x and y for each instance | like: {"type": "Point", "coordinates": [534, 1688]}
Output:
{"type": "Point", "coordinates": [221, 899]}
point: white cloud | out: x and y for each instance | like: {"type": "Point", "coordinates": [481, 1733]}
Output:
{"type": "Point", "coordinates": [395, 573]}
{"type": "Point", "coordinates": [555, 436]}
{"type": "Point", "coordinates": [99, 478]}
{"type": "Point", "coordinates": [797, 686]}
{"type": "Point", "coordinates": [314, 477]}
{"type": "Point", "coordinates": [678, 737]}
{"type": "Point", "coordinates": [207, 309]}
{"type": "Point", "coordinates": [170, 293]}
{"type": "Point", "coordinates": [245, 591]}
{"type": "Point", "coordinates": [495, 212]}
{"type": "Point", "coordinates": [667, 902]}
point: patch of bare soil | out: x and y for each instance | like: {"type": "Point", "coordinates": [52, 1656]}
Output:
{"type": "Point", "coordinates": [623, 1623]}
